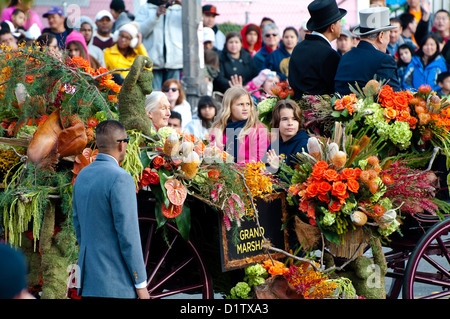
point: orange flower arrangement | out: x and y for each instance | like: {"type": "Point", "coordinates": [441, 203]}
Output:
{"type": "Point", "coordinates": [328, 186]}
{"type": "Point", "coordinates": [275, 268]}
{"type": "Point", "coordinates": [396, 105]}
{"type": "Point", "coordinates": [347, 102]}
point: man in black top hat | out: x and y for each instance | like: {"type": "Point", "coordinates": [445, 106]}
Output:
{"type": "Point", "coordinates": [313, 62]}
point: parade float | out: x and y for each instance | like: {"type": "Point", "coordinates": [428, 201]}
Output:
{"type": "Point", "coordinates": [363, 173]}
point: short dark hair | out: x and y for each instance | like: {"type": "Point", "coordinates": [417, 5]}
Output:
{"type": "Point", "coordinates": [442, 76]}
{"type": "Point", "coordinates": [103, 132]}
{"type": "Point", "coordinates": [17, 11]}
{"type": "Point", "coordinates": [175, 115]}
{"type": "Point", "coordinates": [405, 19]}
{"type": "Point", "coordinates": [117, 5]}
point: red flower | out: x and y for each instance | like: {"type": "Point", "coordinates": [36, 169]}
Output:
{"type": "Point", "coordinates": [158, 161]}
{"type": "Point", "coordinates": [148, 177]}
{"type": "Point", "coordinates": [213, 174]}
{"type": "Point", "coordinates": [92, 122]}
{"type": "Point", "coordinates": [153, 178]}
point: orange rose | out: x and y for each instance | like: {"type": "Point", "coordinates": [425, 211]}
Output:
{"type": "Point", "coordinates": [353, 185]}
{"type": "Point", "coordinates": [401, 101]}
{"type": "Point", "coordinates": [403, 116]}
{"type": "Point", "coordinates": [312, 190]}
{"type": "Point", "coordinates": [348, 173]}
{"type": "Point", "coordinates": [320, 164]}
{"type": "Point", "coordinates": [412, 121]}
{"type": "Point", "coordinates": [339, 189]}
{"type": "Point", "coordinates": [324, 198]}
{"type": "Point", "coordinates": [390, 113]}
{"type": "Point", "coordinates": [334, 207]}
{"type": "Point", "coordinates": [331, 175]}
{"type": "Point", "coordinates": [317, 174]}
{"type": "Point", "coordinates": [323, 188]}
{"type": "Point", "coordinates": [214, 174]}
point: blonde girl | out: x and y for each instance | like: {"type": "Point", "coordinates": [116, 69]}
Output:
{"type": "Point", "coordinates": [238, 130]}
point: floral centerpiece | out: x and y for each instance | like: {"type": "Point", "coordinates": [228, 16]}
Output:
{"type": "Point", "coordinates": [410, 123]}
{"type": "Point", "coordinates": [340, 193]}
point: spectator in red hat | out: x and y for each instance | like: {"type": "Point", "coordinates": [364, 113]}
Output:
{"type": "Point", "coordinates": [209, 20]}
{"type": "Point", "coordinates": [251, 38]}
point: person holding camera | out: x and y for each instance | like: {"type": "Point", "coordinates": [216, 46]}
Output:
{"type": "Point", "coordinates": [160, 23]}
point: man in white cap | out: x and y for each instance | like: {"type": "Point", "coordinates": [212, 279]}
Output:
{"type": "Point", "coordinates": [103, 36]}
{"type": "Point", "coordinates": [369, 59]}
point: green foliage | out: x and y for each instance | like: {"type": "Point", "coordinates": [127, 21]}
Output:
{"type": "Point", "coordinates": [26, 197]}
{"type": "Point", "coordinates": [49, 83]}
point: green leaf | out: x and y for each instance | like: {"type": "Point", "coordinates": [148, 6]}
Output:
{"type": "Point", "coordinates": [145, 160]}
{"type": "Point", "coordinates": [184, 222]}
{"type": "Point", "coordinates": [336, 113]}
{"type": "Point", "coordinates": [160, 218]}
{"type": "Point", "coordinates": [162, 172]}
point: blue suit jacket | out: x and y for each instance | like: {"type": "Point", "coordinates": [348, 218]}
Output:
{"type": "Point", "coordinates": [361, 64]}
{"type": "Point", "coordinates": [106, 224]}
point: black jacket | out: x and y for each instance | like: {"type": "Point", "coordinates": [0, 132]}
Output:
{"type": "Point", "coordinates": [229, 66]}
{"type": "Point", "coordinates": [312, 67]}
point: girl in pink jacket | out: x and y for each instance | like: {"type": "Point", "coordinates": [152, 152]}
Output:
{"type": "Point", "coordinates": [238, 130]}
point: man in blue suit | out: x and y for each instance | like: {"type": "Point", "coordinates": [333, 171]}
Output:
{"type": "Point", "coordinates": [369, 59]}
{"type": "Point", "coordinates": [106, 222]}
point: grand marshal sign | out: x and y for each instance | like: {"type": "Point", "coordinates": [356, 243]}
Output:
{"type": "Point", "coordinates": [244, 246]}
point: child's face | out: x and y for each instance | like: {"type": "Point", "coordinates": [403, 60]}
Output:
{"type": "Point", "coordinates": [73, 50]}
{"type": "Point", "coordinates": [18, 20]}
{"type": "Point", "coordinates": [405, 55]}
{"type": "Point", "coordinates": [288, 124]}
{"type": "Point", "coordinates": [241, 108]}
{"type": "Point", "coordinates": [445, 85]}
{"type": "Point", "coordinates": [208, 112]}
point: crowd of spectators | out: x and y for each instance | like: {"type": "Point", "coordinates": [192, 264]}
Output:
{"type": "Point", "coordinates": [255, 57]}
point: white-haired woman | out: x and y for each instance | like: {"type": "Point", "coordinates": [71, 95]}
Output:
{"type": "Point", "coordinates": [157, 107]}
{"type": "Point", "coordinates": [127, 47]}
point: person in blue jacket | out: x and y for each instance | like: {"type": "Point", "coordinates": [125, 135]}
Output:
{"type": "Point", "coordinates": [425, 65]}
{"type": "Point", "coordinates": [287, 118]}
{"type": "Point", "coordinates": [105, 219]}
{"type": "Point", "coordinates": [278, 60]}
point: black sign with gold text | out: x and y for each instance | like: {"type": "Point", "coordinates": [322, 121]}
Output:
{"type": "Point", "coordinates": [246, 247]}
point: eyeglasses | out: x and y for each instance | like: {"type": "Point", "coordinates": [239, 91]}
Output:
{"type": "Point", "coordinates": [168, 89]}
{"type": "Point", "coordinates": [126, 140]}
{"type": "Point", "coordinates": [124, 37]}
{"type": "Point", "coordinates": [271, 35]}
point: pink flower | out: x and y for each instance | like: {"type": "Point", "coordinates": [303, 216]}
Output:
{"type": "Point", "coordinates": [214, 196]}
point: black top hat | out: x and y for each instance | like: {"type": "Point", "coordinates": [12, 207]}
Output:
{"type": "Point", "coordinates": [323, 13]}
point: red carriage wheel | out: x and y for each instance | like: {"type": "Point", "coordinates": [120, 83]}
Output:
{"type": "Point", "coordinates": [427, 273]}
{"type": "Point", "coordinates": [174, 265]}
